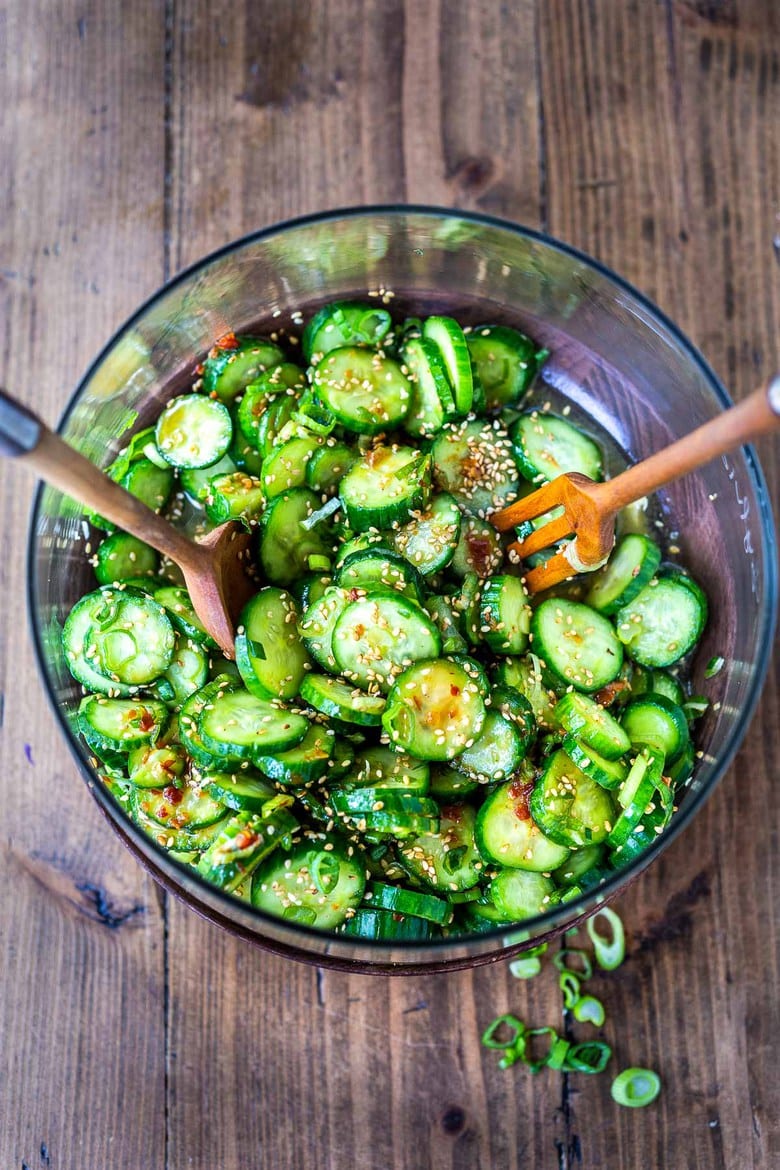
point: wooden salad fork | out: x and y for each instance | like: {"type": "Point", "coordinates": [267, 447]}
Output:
{"type": "Point", "coordinates": [213, 566]}
{"type": "Point", "coordinates": [590, 508]}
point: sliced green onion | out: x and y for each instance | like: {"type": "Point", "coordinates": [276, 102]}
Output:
{"type": "Point", "coordinates": [560, 961]}
{"type": "Point", "coordinates": [714, 666]}
{"type": "Point", "coordinates": [536, 1066]}
{"type": "Point", "coordinates": [695, 707]}
{"type": "Point", "coordinates": [511, 1055]}
{"type": "Point", "coordinates": [525, 967]}
{"type": "Point", "coordinates": [636, 1087]}
{"type": "Point", "coordinates": [322, 513]}
{"type": "Point", "coordinates": [589, 1010]}
{"type": "Point", "coordinates": [489, 1038]}
{"type": "Point", "coordinates": [609, 953]}
{"type": "Point", "coordinates": [590, 1057]}
{"type": "Point", "coordinates": [569, 983]}
{"type": "Point", "coordinates": [558, 1053]}
{"type": "Point", "coordinates": [318, 563]}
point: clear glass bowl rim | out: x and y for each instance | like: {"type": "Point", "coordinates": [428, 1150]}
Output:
{"type": "Point", "coordinates": [538, 925]}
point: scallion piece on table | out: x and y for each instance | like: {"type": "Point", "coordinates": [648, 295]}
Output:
{"type": "Point", "coordinates": [589, 1010]}
{"type": "Point", "coordinates": [590, 1057]}
{"type": "Point", "coordinates": [636, 1087]}
{"type": "Point", "coordinates": [569, 983]}
{"type": "Point", "coordinates": [609, 952]}
{"type": "Point", "coordinates": [526, 967]}
{"type": "Point", "coordinates": [490, 1035]}
{"type": "Point", "coordinates": [561, 962]}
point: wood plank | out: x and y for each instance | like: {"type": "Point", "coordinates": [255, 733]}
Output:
{"type": "Point", "coordinates": [342, 1069]}
{"type": "Point", "coordinates": [663, 161]}
{"type": "Point", "coordinates": [81, 1010]}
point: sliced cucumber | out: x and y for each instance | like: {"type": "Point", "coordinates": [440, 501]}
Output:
{"type": "Point", "coordinates": [577, 645]}
{"type": "Point", "coordinates": [504, 615]}
{"type": "Point", "coordinates": [79, 622]}
{"type": "Point", "coordinates": [120, 724]}
{"type": "Point", "coordinates": [319, 621]}
{"type": "Point", "coordinates": [385, 487]}
{"type": "Point", "coordinates": [367, 393]}
{"type": "Point", "coordinates": [286, 545]}
{"type": "Point", "coordinates": [474, 461]}
{"type": "Point", "coordinates": [270, 654]}
{"type": "Point", "coordinates": [188, 671]}
{"type": "Point", "coordinates": [385, 926]}
{"type": "Point", "coordinates": [526, 675]}
{"type": "Point", "coordinates": [631, 565]}
{"type": "Point", "coordinates": [195, 481]}
{"type": "Point", "coordinates": [479, 549]}
{"type": "Point", "coordinates": [234, 362]}
{"type": "Point", "coordinates": [239, 790]}
{"type": "Point", "coordinates": [194, 431]}
{"type": "Point", "coordinates": [340, 701]}
{"type": "Point", "coordinates": [260, 393]}
{"type": "Point", "coordinates": [188, 722]}
{"type": "Point", "coordinates": [546, 446]}
{"type": "Point", "coordinates": [237, 496]}
{"type": "Point", "coordinates": [434, 710]}
{"type": "Point", "coordinates": [443, 614]}
{"type": "Point", "coordinates": [286, 466]}
{"type": "Point", "coordinates": [518, 894]}
{"type": "Point", "coordinates": [657, 721]}
{"type": "Point", "coordinates": [569, 806]}
{"type": "Point", "coordinates": [378, 567]}
{"type": "Point", "coordinates": [121, 557]}
{"type": "Point", "coordinates": [309, 760]}
{"type": "Point", "coordinates": [175, 600]}
{"type": "Point", "coordinates": [508, 836]}
{"type": "Point", "coordinates": [450, 340]}
{"type": "Point", "coordinates": [664, 622]}
{"type": "Point", "coordinates": [382, 768]}
{"type": "Point", "coordinates": [431, 402]}
{"type": "Point", "coordinates": [344, 323]}
{"type": "Point", "coordinates": [245, 841]}
{"type": "Point", "coordinates": [506, 363]}
{"type": "Point", "coordinates": [447, 859]}
{"type": "Point", "coordinates": [131, 640]}
{"type": "Point", "coordinates": [606, 773]}
{"type": "Point", "coordinates": [401, 901]}
{"type": "Point", "coordinates": [328, 464]}
{"type": "Point", "coordinates": [184, 807]}
{"type": "Point", "coordinates": [238, 725]}
{"type": "Point", "coordinates": [378, 636]}
{"type": "Point", "coordinates": [430, 539]}
{"type": "Point", "coordinates": [317, 883]}
{"type": "Point", "coordinates": [581, 716]}
{"type": "Point", "coordinates": [496, 753]}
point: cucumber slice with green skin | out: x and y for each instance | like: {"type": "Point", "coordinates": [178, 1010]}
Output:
{"type": "Point", "coordinates": [506, 363]}
{"type": "Point", "coordinates": [480, 916]}
{"type": "Point", "coordinates": [508, 836]}
{"type": "Point", "coordinates": [466, 604]}
{"type": "Point", "coordinates": [310, 588]}
{"type": "Point", "coordinates": [176, 602]}
{"type": "Point", "coordinates": [122, 556]}
{"type": "Point", "coordinates": [474, 461]}
{"type": "Point", "coordinates": [244, 455]}
{"type": "Point", "coordinates": [434, 710]}
{"type": "Point", "coordinates": [237, 496]}
{"type": "Point", "coordinates": [658, 682]}
{"type": "Point", "coordinates": [526, 675]}
{"type": "Point", "coordinates": [317, 883]}
{"type": "Point", "coordinates": [234, 362]}
{"type": "Point", "coordinates": [664, 622]}
{"type": "Point", "coordinates": [187, 807]}
{"type": "Point", "coordinates": [188, 671]}
{"type": "Point", "coordinates": [641, 803]}
{"type": "Point", "coordinates": [194, 431]}
{"type": "Point", "coordinates": [449, 785]}
{"type": "Point", "coordinates": [286, 467]}
{"type": "Point", "coordinates": [379, 636]}
{"type": "Point", "coordinates": [518, 894]}
{"type": "Point", "coordinates": [78, 623]}
{"type": "Point", "coordinates": [344, 323]}
{"type": "Point", "coordinates": [657, 721]}
{"type": "Point", "coordinates": [581, 716]}
{"type": "Point", "coordinates": [195, 481]}
{"type": "Point", "coordinates": [359, 803]}
{"type": "Point", "coordinates": [504, 615]}
{"type": "Point", "coordinates": [239, 790]}
{"type": "Point", "coordinates": [606, 773]}
{"type": "Point", "coordinates": [328, 465]}
{"type": "Point", "coordinates": [442, 613]}
{"type": "Point", "coordinates": [496, 753]}
{"type": "Point", "coordinates": [120, 724]}
{"type": "Point", "coordinates": [264, 390]}
{"type": "Point", "coordinates": [569, 806]}
{"type": "Point", "coordinates": [450, 341]}
{"type": "Point", "coordinates": [381, 824]}
{"type": "Point", "coordinates": [285, 545]}
{"type": "Point", "coordinates": [429, 540]}
{"type": "Point", "coordinates": [360, 543]}
{"type": "Point", "coordinates": [447, 859]}
{"type": "Point", "coordinates": [245, 841]}
{"type": "Point", "coordinates": [187, 840]}
{"type": "Point", "coordinates": [278, 414]}
{"type": "Point", "coordinates": [386, 926]}
{"type": "Point", "coordinates": [149, 483]}
{"type": "Point", "coordinates": [152, 766]}
{"type": "Point", "coordinates": [188, 722]}
{"type": "Point", "coordinates": [578, 864]}
{"type": "Point", "coordinates": [308, 761]}
{"type": "Point", "coordinates": [630, 567]}
{"type": "Point", "coordinates": [514, 706]}
{"type": "Point", "coordinates": [384, 769]}
{"type": "Point", "coordinates": [365, 392]}
{"type": "Point", "coordinates": [546, 446]}
{"type": "Point", "coordinates": [479, 549]}
{"type": "Point", "coordinates": [270, 655]}
{"type": "Point", "coordinates": [131, 640]}
{"type": "Point", "coordinates": [319, 622]}
{"type": "Point", "coordinates": [680, 770]}
{"type": "Point", "coordinates": [238, 725]}
{"type": "Point", "coordinates": [431, 401]}
{"type": "Point", "coordinates": [379, 568]}
{"type": "Point", "coordinates": [577, 645]}
{"type": "Point", "coordinates": [340, 701]}
{"type": "Point", "coordinates": [385, 488]}
{"type": "Point", "coordinates": [401, 901]}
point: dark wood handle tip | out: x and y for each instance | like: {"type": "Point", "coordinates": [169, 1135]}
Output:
{"type": "Point", "coordinates": [20, 429]}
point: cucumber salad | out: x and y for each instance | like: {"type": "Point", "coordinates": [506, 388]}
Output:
{"type": "Point", "coordinates": [407, 744]}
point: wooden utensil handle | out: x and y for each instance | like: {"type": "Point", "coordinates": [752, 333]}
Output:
{"type": "Point", "coordinates": [24, 437]}
{"type": "Point", "coordinates": [757, 415]}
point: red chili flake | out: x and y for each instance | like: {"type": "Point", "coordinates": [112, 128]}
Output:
{"type": "Point", "coordinates": [452, 812]}
{"type": "Point", "coordinates": [610, 692]}
{"type": "Point", "coordinates": [146, 721]}
{"type": "Point", "coordinates": [454, 690]}
{"type": "Point", "coordinates": [173, 794]}
{"type": "Point", "coordinates": [520, 791]}
{"type": "Point", "coordinates": [480, 549]}
{"type": "Point", "coordinates": [245, 838]}
{"type": "Point", "coordinates": [199, 369]}
{"type": "Point", "coordinates": [354, 594]}
{"type": "Point", "coordinates": [228, 341]}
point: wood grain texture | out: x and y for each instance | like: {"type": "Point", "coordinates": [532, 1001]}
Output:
{"type": "Point", "coordinates": [138, 137]}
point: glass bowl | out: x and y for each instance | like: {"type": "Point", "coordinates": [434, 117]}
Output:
{"type": "Point", "coordinates": [614, 356]}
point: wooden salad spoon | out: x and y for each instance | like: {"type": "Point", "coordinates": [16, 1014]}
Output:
{"type": "Point", "coordinates": [590, 508]}
{"type": "Point", "coordinates": [213, 566]}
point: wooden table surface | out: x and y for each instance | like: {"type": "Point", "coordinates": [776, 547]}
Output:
{"type": "Point", "coordinates": [138, 136]}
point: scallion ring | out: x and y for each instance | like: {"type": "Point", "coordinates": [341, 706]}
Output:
{"type": "Point", "coordinates": [526, 967]}
{"type": "Point", "coordinates": [609, 953]}
{"type": "Point", "coordinates": [636, 1087]}
{"type": "Point", "coordinates": [569, 983]}
{"type": "Point", "coordinates": [590, 1057]}
{"type": "Point", "coordinates": [589, 1010]}
{"type": "Point", "coordinates": [489, 1036]}
{"type": "Point", "coordinates": [561, 962]}
{"type": "Point", "coordinates": [559, 1051]}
